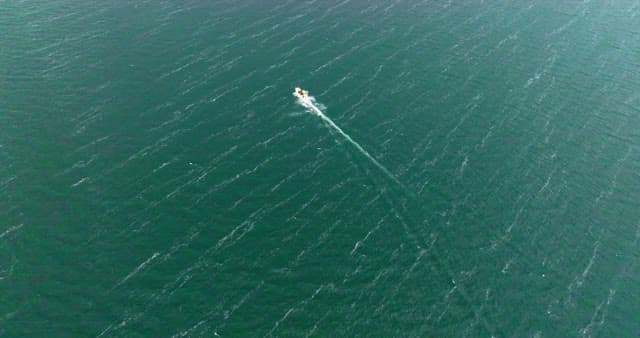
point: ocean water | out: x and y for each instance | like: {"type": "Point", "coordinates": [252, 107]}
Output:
{"type": "Point", "coordinates": [158, 179]}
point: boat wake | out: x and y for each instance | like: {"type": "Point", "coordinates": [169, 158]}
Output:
{"type": "Point", "coordinates": [316, 108]}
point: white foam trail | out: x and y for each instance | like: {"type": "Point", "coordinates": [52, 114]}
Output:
{"type": "Point", "coordinates": [312, 106]}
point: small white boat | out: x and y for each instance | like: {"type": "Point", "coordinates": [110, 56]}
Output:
{"type": "Point", "coordinates": [301, 94]}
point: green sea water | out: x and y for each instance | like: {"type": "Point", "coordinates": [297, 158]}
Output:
{"type": "Point", "coordinates": [158, 179]}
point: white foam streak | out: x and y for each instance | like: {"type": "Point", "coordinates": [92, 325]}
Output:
{"type": "Point", "coordinates": [315, 108]}
{"type": "Point", "coordinates": [10, 229]}
{"type": "Point", "coordinates": [136, 270]}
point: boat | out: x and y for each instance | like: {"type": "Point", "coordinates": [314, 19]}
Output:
{"type": "Point", "coordinates": [301, 94]}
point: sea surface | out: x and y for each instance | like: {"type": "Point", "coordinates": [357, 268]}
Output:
{"type": "Point", "coordinates": [479, 176]}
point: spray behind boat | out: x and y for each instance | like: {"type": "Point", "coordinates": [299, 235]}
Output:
{"type": "Point", "coordinates": [309, 102]}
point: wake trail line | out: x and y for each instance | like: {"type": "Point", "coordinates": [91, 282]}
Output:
{"type": "Point", "coordinates": [309, 102]}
